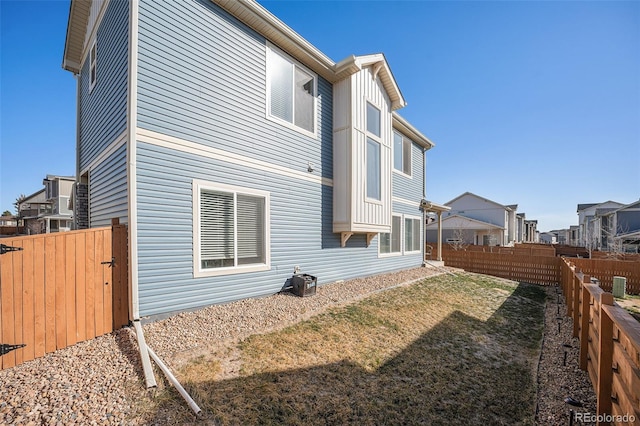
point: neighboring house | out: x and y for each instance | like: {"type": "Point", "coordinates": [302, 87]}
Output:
{"type": "Point", "coordinates": [237, 152]}
{"type": "Point", "coordinates": [478, 221]}
{"type": "Point", "coordinates": [548, 237]}
{"type": "Point", "coordinates": [8, 221]}
{"type": "Point", "coordinates": [574, 232]}
{"type": "Point", "coordinates": [47, 210]}
{"type": "Point", "coordinates": [531, 234]}
{"type": "Point", "coordinates": [620, 229]}
{"type": "Point", "coordinates": [589, 223]}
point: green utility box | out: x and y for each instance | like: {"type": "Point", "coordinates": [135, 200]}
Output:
{"type": "Point", "coordinates": [619, 286]}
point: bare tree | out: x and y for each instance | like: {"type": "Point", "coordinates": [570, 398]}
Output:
{"type": "Point", "coordinates": [458, 242]}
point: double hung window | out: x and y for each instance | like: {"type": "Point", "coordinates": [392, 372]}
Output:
{"type": "Point", "coordinates": [401, 154]}
{"type": "Point", "coordinates": [291, 92]}
{"type": "Point", "coordinates": [411, 234]}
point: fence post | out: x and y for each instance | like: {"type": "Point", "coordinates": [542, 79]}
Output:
{"type": "Point", "coordinates": [584, 327]}
{"type": "Point", "coordinates": [577, 286]}
{"type": "Point", "coordinates": [120, 277]}
{"type": "Point", "coordinates": [605, 359]}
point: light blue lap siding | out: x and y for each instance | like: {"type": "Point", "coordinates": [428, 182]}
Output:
{"type": "Point", "coordinates": [103, 111]}
{"type": "Point", "coordinates": [108, 190]}
{"type": "Point", "coordinates": [411, 188]}
{"type": "Point", "coordinates": [301, 234]}
{"type": "Point", "coordinates": [202, 77]}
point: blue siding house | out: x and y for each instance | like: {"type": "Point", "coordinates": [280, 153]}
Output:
{"type": "Point", "coordinates": [237, 152]}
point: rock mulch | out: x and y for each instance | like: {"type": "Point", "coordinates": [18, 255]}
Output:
{"type": "Point", "coordinates": [100, 381]}
{"type": "Point", "coordinates": [560, 378]}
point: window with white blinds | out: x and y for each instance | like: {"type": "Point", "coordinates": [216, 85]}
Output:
{"type": "Point", "coordinates": [291, 91]}
{"type": "Point", "coordinates": [231, 229]}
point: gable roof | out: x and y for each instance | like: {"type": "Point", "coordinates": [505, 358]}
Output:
{"type": "Point", "coordinates": [268, 25]}
{"type": "Point", "coordinates": [462, 222]}
{"type": "Point", "coordinates": [588, 206]}
{"type": "Point", "coordinates": [508, 208]}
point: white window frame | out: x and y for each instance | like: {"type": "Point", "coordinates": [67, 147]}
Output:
{"type": "Point", "coordinates": [93, 67]}
{"type": "Point", "coordinates": [401, 232]}
{"type": "Point", "coordinates": [270, 48]}
{"type": "Point", "coordinates": [405, 142]}
{"type": "Point", "coordinates": [375, 138]}
{"type": "Point", "coordinates": [404, 246]}
{"type": "Point", "coordinates": [198, 271]}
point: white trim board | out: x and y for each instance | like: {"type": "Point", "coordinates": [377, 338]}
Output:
{"type": "Point", "coordinates": [104, 155]}
{"type": "Point", "coordinates": [170, 142]}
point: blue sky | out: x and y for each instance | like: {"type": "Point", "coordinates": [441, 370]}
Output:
{"type": "Point", "coordinates": [529, 103]}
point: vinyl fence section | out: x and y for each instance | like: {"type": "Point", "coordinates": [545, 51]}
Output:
{"type": "Point", "coordinates": [61, 289]}
{"type": "Point", "coordinates": [609, 345]}
{"type": "Point", "coordinates": [543, 270]}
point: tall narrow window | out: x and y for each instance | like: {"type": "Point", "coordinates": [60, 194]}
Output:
{"type": "Point", "coordinates": [401, 154]}
{"type": "Point", "coordinates": [374, 178]}
{"type": "Point", "coordinates": [93, 71]}
{"type": "Point", "coordinates": [390, 242]}
{"type": "Point", "coordinates": [411, 234]}
{"type": "Point", "coordinates": [373, 170]}
{"type": "Point", "coordinates": [231, 229]}
{"type": "Point", "coordinates": [291, 91]}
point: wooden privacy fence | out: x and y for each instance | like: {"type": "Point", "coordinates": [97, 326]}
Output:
{"type": "Point", "coordinates": [609, 345]}
{"type": "Point", "coordinates": [544, 270]}
{"type": "Point", "coordinates": [605, 269]}
{"type": "Point", "coordinates": [60, 289]}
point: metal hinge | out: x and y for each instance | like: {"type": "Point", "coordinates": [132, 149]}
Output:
{"type": "Point", "coordinates": [5, 349]}
{"type": "Point", "coordinates": [6, 249]}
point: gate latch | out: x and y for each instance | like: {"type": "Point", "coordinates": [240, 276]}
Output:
{"type": "Point", "coordinates": [111, 262]}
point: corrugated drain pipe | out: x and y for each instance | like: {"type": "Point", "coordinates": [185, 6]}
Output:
{"type": "Point", "coordinates": [170, 377]}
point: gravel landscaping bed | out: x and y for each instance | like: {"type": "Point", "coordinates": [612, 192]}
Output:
{"type": "Point", "coordinates": [557, 379]}
{"type": "Point", "coordinates": [100, 381]}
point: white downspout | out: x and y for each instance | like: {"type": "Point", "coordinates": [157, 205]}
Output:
{"type": "Point", "coordinates": [132, 120]}
{"type": "Point", "coordinates": [145, 350]}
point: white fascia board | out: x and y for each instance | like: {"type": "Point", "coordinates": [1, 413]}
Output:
{"type": "Point", "coordinates": [404, 127]}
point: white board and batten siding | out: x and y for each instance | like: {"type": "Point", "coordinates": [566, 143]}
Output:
{"type": "Point", "coordinates": [353, 211]}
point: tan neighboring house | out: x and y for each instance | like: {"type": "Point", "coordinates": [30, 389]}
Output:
{"type": "Point", "coordinates": [477, 220]}
{"type": "Point", "coordinates": [47, 210]}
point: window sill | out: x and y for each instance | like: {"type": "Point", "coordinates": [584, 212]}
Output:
{"type": "Point", "coordinates": [292, 126]}
{"type": "Point", "coordinates": [385, 255]}
{"type": "Point", "coordinates": [216, 272]}
{"type": "Point", "coordinates": [403, 174]}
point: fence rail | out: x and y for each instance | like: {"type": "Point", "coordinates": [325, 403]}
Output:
{"type": "Point", "coordinates": [61, 289]}
{"type": "Point", "coordinates": [609, 344]}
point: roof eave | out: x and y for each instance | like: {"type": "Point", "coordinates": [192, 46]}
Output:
{"type": "Point", "coordinates": [401, 124]}
{"type": "Point", "coordinates": [79, 11]}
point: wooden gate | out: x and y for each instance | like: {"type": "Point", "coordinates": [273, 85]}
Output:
{"type": "Point", "coordinates": [60, 289]}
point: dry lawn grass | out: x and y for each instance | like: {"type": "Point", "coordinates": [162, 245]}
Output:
{"type": "Point", "coordinates": [448, 350]}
